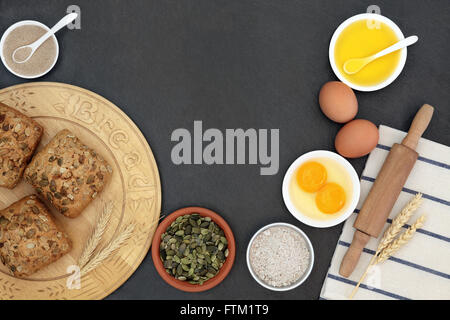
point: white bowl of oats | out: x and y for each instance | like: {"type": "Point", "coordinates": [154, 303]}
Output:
{"type": "Point", "coordinates": [280, 256]}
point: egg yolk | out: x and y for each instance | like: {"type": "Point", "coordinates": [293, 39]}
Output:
{"type": "Point", "coordinates": [330, 198]}
{"type": "Point", "coordinates": [311, 176]}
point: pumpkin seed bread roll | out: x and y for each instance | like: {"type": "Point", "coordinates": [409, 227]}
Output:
{"type": "Point", "coordinates": [68, 174]}
{"type": "Point", "coordinates": [19, 137]}
{"type": "Point", "coordinates": [29, 238]}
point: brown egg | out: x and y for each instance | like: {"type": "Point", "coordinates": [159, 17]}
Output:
{"type": "Point", "coordinates": [338, 101]}
{"type": "Point", "coordinates": [356, 139]}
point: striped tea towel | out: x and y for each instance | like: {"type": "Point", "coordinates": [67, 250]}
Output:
{"type": "Point", "coordinates": [421, 268]}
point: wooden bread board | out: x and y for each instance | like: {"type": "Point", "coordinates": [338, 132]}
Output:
{"type": "Point", "coordinates": [134, 189]}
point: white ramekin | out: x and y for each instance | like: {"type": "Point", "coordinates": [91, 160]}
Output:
{"type": "Point", "coordinates": [303, 217]}
{"type": "Point", "coordinates": [22, 23]}
{"type": "Point", "coordinates": [371, 16]}
{"type": "Point", "coordinates": [308, 270]}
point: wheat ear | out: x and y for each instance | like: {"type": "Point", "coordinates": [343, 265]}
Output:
{"type": "Point", "coordinates": [97, 234]}
{"type": "Point", "coordinates": [399, 221]}
{"type": "Point", "coordinates": [115, 244]}
{"type": "Point", "coordinates": [389, 250]}
{"type": "Point", "coordinates": [395, 245]}
{"type": "Point", "coordinates": [390, 234]}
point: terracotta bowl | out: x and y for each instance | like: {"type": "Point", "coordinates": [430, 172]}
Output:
{"type": "Point", "coordinates": [184, 285]}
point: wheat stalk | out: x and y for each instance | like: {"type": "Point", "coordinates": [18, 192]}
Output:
{"type": "Point", "coordinates": [103, 254]}
{"type": "Point", "coordinates": [399, 221]}
{"type": "Point", "coordinates": [87, 264]}
{"type": "Point", "coordinates": [395, 245]}
{"type": "Point", "coordinates": [388, 244]}
{"type": "Point", "coordinates": [97, 234]}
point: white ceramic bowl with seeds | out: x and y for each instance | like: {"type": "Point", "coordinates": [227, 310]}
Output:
{"type": "Point", "coordinates": [309, 263]}
{"type": "Point", "coordinates": [28, 23]}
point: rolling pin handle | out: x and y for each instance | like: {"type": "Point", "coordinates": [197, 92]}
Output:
{"type": "Point", "coordinates": [351, 258]}
{"type": "Point", "coordinates": [418, 126]}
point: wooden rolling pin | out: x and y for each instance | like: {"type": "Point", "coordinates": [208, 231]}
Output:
{"type": "Point", "coordinates": [386, 189]}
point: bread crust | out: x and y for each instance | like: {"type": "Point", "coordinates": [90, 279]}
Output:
{"type": "Point", "coordinates": [29, 237]}
{"type": "Point", "coordinates": [19, 137]}
{"type": "Point", "coordinates": [68, 174]}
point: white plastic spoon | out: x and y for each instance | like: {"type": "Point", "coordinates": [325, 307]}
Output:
{"type": "Point", "coordinates": [33, 46]}
{"type": "Point", "coordinates": [353, 66]}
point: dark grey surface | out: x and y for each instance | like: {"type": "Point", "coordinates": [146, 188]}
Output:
{"type": "Point", "coordinates": [230, 63]}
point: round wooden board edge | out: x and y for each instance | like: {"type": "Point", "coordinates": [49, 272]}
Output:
{"type": "Point", "coordinates": [148, 243]}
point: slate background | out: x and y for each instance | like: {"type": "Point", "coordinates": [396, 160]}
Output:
{"type": "Point", "coordinates": [237, 64]}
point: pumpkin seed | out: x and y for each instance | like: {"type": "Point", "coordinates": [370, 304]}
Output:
{"type": "Point", "coordinates": [90, 179]}
{"type": "Point", "coordinates": [53, 186]}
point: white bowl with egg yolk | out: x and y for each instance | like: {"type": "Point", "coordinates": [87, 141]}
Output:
{"type": "Point", "coordinates": [331, 219]}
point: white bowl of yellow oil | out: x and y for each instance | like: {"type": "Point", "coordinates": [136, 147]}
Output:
{"type": "Point", "coordinates": [321, 189]}
{"type": "Point", "coordinates": [361, 36]}
{"type": "Point", "coordinates": [23, 33]}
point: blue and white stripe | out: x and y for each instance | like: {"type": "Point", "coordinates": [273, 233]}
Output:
{"type": "Point", "coordinates": [420, 270]}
